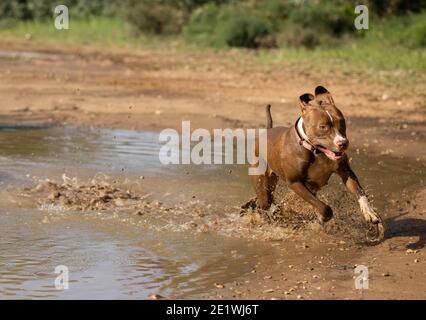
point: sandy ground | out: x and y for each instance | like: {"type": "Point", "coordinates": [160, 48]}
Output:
{"type": "Point", "coordinates": [157, 89]}
{"type": "Point", "coordinates": [324, 268]}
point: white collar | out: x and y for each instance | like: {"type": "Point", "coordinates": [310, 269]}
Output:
{"type": "Point", "coordinates": [301, 130]}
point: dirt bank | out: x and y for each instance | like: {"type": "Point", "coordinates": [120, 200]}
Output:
{"type": "Point", "coordinates": [151, 89]}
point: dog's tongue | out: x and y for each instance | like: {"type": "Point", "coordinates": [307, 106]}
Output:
{"type": "Point", "coordinates": [332, 155]}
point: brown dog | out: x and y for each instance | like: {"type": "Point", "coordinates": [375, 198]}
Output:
{"type": "Point", "coordinates": [306, 155]}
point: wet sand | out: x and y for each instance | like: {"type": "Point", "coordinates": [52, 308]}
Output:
{"type": "Point", "coordinates": [153, 90]}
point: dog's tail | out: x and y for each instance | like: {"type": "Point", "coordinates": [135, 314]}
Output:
{"type": "Point", "coordinates": [268, 117]}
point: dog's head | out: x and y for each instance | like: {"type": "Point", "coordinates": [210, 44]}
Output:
{"type": "Point", "coordinates": [324, 124]}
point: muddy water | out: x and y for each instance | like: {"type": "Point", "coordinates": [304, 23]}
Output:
{"type": "Point", "coordinates": [112, 256]}
{"type": "Point", "coordinates": [106, 259]}
{"type": "Point", "coordinates": [125, 154]}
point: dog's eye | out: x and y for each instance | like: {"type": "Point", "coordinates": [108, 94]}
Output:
{"type": "Point", "coordinates": [324, 127]}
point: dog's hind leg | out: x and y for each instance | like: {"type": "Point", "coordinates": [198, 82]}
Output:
{"type": "Point", "coordinates": [264, 186]}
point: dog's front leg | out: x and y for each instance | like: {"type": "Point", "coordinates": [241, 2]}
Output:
{"type": "Point", "coordinates": [352, 184]}
{"type": "Point", "coordinates": [301, 190]}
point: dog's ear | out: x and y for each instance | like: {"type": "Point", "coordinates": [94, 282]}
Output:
{"type": "Point", "coordinates": [305, 101]}
{"type": "Point", "coordinates": [323, 96]}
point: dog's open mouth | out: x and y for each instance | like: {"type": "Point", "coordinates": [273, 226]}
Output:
{"type": "Point", "coordinates": [331, 154]}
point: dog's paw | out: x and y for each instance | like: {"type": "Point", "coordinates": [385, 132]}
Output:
{"type": "Point", "coordinates": [368, 212]}
{"type": "Point", "coordinates": [326, 214]}
{"type": "Point", "coordinates": [376, 233]}
{"type": "Point", "coordinates": [249, 205]}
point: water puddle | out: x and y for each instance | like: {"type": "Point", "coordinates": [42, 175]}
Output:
{"type": "Point", "coordinates": [109, 260]}
{"type": "Point", "coordinates": [137, 250]}
{"type": "Point", "coordinates": [106, 258]}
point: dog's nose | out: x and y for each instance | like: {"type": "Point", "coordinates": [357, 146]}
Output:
{"type": "Point", "coordinates": [342, 144]}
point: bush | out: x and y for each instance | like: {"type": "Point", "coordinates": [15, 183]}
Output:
{"type": "Point", "coordinates": [415, 35]}
{"type": "Point", "coordinates": [246, 31]}
{"type": "Point", "coordinates": [154, 17]}
{"type": "Point", "coordinates": [255, 24]}
{"type": "Point", "coordinates": [275, 10]}
{"type": "Point", "coordinates": [396, 7]}
{"type": "Point", "coordinates": [15, 9]}
{"type": "Point", "coordinates": [85, 8]}
{"type": "Point", "coordinates": [409, 31]}
{"type": "Point", "coordinates": [202, 25]}
{"type": "Point", "coordinates": [246, 23]}
{"type": "Point", "coordinates": [230, 26]}
{"type": "Point", "coordinates": [162, 16]}
{"type": "Point", "coordinates": [332, 17]}
{"type": "Point", "coordinates": [190, 5]}
{"type": "Point", "coordinates": [296, 36]}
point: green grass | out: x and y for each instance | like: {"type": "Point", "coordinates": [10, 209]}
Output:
{"type": "Point", "coordinates": [83, 31]}
{"type": "Point", "coordinates": [393, 67]}
{"type": "Point", "coordinates": [356, 55]}
{"type": "Point", "coordinates": [378, 50]}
